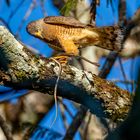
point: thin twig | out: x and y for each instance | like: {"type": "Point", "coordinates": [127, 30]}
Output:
{"type": "Point", "coordinates": [122, 11]}
{"type": "Point", "coordinates": [30, 9]}
{"type": "Point", "coordinates": [5, 128]}
{"type": "Point", "coordinates": [75, 124]}
{"type": "Point", "coordinates": [122, 81]}
{"type": "Point", "coordinates": [15, 10]}
{"type": "Point", "coordinates": [123, 72]}
{"type": "Point", "coordinates": [81, 57]}
{"type": "Point", "coordinates": [87, 127]}
{"type": "Point", "coordinates": [131, 74]}
{"type": "Point", "coordinates": [55, 90]}
{"type": "Point", "coordinates": [42, 3]}
{"type": "Point", "coordinates": [110, 60]}
{"type": "Point", "coordinates": [66, 108]}
{"type": "Point", "coordinates": [63, 114]}
{"type": "Point", "coordinates": [93, 11]}
{"type": "Point", "coordinates": [94, 63]}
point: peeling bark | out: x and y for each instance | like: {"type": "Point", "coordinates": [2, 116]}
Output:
{"type": "Point", "coordinates": [19, 68]}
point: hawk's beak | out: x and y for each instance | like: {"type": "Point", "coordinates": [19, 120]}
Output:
{"type": "Point", "coordinates": [39, 34]}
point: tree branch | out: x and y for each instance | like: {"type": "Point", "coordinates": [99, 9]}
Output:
{"type": "Point", "coordinates": [82, 112]}
{"type": "Point", "coordinates": [19, 68]}
{"type": "Point", "coordinates": [5, 128]}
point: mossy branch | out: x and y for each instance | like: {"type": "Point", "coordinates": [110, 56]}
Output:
{"type": "Point", "coordinates": [20, 68]}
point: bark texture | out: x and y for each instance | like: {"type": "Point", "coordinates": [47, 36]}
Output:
{"type": "Point", "coordinates": [19, 68]}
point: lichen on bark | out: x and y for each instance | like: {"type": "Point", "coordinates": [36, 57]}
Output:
{"type": "Point", "coordinates": [20, 68]}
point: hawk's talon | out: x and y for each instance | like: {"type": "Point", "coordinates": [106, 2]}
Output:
{"type": "Point", "coordinates": [62, 59]}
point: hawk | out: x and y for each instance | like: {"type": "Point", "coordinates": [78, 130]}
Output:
{"type": "Point", "coordinates": [69, 35]}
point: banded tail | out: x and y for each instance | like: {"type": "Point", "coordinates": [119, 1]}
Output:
{"type": "Point", "coordinates": [110, 38]}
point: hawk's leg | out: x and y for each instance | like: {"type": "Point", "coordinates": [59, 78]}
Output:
{"type": "Point", "coordinates": [62, 59]}
{"type": "Point", "coordinates": [68, 46]}
{"type": "Point", "coordinates": [70, 49]}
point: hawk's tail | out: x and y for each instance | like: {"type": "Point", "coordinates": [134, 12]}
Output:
{"type": "Point", "coordinates": [110, 38]}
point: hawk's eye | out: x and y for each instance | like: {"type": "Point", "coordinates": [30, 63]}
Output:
{"type": "Point", "coordinates": [32, 28]}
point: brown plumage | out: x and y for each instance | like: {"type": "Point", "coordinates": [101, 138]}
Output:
{"type": "Point", "coordinates": [68, 34]}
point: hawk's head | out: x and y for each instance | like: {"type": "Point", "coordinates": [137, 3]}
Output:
{"type": "Point", "coordinates": [35, 28]}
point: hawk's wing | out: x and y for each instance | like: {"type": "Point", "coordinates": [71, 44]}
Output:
{"type": "Point", "coordinates": [61, 20]}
